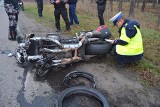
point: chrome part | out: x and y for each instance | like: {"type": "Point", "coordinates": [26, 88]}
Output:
{"type": "Point", "coordinates": [52, 50]}
{"type": "Point", "coordinates": [21, 55]}
{"type": "Point", "coordinates": [35, 57]}
{"type": "Point", "coordinates": [24, 44]}
{"type": "Point", "coordinates": [56, 41]}
{"type": "Point", "coordinates": [36, 38]}
{"type": "Point", "coordinates": [93, 39]}
{"type": "Point", "coordinates": [56, 61]}
{"type": "Point", "coordinates": [72, 46]}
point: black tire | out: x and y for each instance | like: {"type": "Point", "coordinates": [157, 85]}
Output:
{"type": "Point", "coordinates": [42, 67]}
{"type": "Point", "coordinates": [98, 48]}
{"type": "Point", "coordinates": [82, 90]}
{"type": "Point", "coordinates": [75, 74]}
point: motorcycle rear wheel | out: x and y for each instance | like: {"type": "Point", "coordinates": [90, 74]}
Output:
{"type": "Point", "coordinates": [98, 48]}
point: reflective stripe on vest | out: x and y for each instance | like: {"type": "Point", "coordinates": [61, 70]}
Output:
{"type": "Point", "coordinates": [134, 46]}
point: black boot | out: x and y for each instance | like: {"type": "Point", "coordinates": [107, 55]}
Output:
{"type": "Point", "coordinates": [10, 37]}
{"type": "Point", "coordinates": [14, 35]}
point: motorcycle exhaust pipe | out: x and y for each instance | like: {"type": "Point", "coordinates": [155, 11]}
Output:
{"type": "Point", "coordinates": [53, 50]}
{"type": "Point", "coordinates": [35, 57]}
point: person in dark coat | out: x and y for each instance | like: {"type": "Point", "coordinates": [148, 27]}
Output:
{"type": "Point", "coordinates": [40, 7]}
{"type": "Point", "coordinates": [72, 12]}
{"type": "Point", "coordinates": [101, 6]}
{"type": "Point", "coordinates": [60, 9]}
{"type": "Point", "coordinates": [12, 10]}
{"type": "Point", "coordinates": [129, 45]}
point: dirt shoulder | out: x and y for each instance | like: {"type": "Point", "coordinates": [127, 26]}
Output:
{"type": "Point", "coordinates": [120, 85]}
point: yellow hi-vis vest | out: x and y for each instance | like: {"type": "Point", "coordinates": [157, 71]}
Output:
{"type": "Point", "coordinates": [134, 46]}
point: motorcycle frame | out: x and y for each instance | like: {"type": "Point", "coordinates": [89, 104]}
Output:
{"type": "Point", "coordinates": [84, 37]}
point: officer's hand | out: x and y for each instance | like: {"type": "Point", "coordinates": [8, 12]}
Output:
{"type": "Point", "coordinates": [57, 1]}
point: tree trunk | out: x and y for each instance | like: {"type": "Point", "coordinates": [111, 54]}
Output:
{"type": "Point", "coordinates": [91, 1]}
{"type": "Point", "coordinates": [137, 1]}
{"type": "Point", "coordinates": [158, 23]}
{"type": "Point", "coordinates": [154, 3]}
{"type": "Point", "coordinates": [111, 5]}
{"type": "Point", "coordinates": [143, 5]}
{"type": "Point", "coordinates": [120, 5]}
{"type": "Point", "coordinates": [131, 10]}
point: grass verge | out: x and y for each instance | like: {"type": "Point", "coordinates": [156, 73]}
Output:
{"type": "Point", "coordinates": [148, 68]}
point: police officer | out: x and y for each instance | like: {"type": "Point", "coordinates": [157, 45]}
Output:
{"type": "Point", "coordinates": [60, 9]}
{"type": "Point", "coordinates": [40, 7]}
{"type": "Point", "coordinates": [129, 46]}
{"type": "Point", "coordinates": [12, 10]}
{"type": "Point", "coordinates": [101, 6]}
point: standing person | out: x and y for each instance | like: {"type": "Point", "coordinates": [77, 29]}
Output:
{"type": "Point", "coordinates": [72, 12]}
{"type": "Point", "coordinates": [129, 46]}
{"type": "Point", "coordinates": [60, 9]}
{"type": "Point", "coordinates": [40, 7]}
{"type": "Point", "coordinates": [101, 6]}
{"type": "Point", "coordinates": [12, 10]}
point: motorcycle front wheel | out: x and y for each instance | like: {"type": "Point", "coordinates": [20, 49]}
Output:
{"type": "Point", "coordinates": [42, 67]}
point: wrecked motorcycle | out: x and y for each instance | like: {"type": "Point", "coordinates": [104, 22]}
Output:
{"type": "Point", "coordinates": [54, 52]}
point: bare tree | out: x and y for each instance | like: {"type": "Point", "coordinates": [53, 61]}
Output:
{"type": "Point", "coordinates": [158, 24]}
{"type": "Point", "coordinates": [120, 5]}
{"type": "Point", "coordinates": [131, 10]}
{"type": "Point", "coordinates": [143, 5]}
{"type": "Point", "coordinates": [111, 5]}
{"type": "Point", "coordinates": [92, 1]}
{"type": "Point", "coordinates": [138, 1]}
{"type": "Point", "coordinates": [154, 2]}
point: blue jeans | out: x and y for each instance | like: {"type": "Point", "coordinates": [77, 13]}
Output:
{"type": "Point", "coordinates": [72, 14]}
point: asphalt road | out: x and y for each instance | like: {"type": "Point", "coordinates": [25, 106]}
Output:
{"type": "Point", "coordinates": [17, 85]}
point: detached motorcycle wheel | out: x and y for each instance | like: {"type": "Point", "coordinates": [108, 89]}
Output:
{"type": "Point", "coordinates": [84, 91]}
{"type": "Point", "coordinates": [98, 48]}
{"type": "Point", "coordinates": [43, 68]}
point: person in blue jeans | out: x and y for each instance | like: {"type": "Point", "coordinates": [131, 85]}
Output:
{"type": "Point", "coordinates": [72, 12]}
